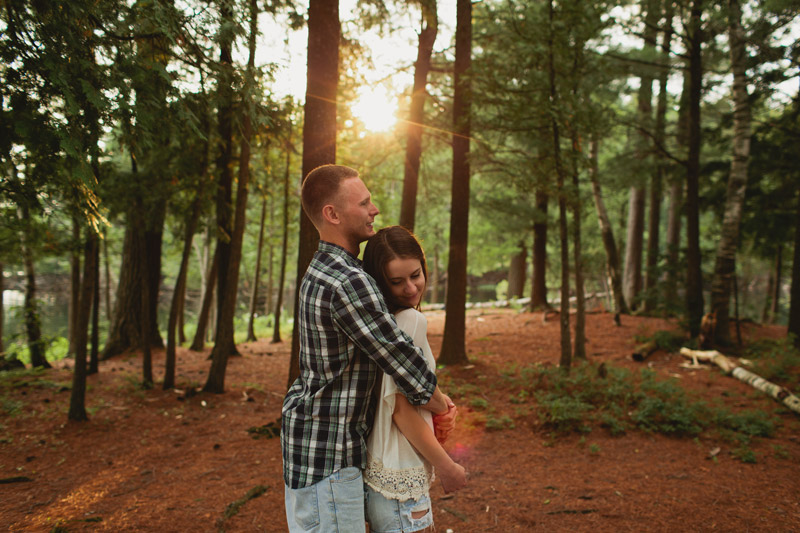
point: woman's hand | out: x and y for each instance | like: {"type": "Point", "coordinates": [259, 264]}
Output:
{"type": "Point", "coordinates": [453, 477]}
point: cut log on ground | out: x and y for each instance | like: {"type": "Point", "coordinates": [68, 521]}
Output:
{"type": "Point", "coordinates": [643, 351]}
{"type": "Point", "coordinates": [781, 394]}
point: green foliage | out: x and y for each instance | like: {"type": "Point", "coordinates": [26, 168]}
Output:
{"type": "Point", "coordinates": [776, 360]}
{"type": "Point", "coordinates": [667, 340]}
{"type": "Point", "coordinates": [621, 401]}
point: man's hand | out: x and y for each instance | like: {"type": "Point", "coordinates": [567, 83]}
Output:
{"type": "Point", "coordinates": [444, 423]}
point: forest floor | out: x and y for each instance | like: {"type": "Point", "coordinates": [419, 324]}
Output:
{"type": "Point", "coordinates": [153, 461]}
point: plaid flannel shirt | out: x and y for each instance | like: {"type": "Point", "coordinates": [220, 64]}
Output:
{"type": "Point", "coordinates": [347, 336]}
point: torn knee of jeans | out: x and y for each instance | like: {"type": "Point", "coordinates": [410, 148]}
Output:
{"type": "Point", "coordinates": [416, 514]}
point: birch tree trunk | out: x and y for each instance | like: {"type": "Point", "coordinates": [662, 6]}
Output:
{"type": "Point", "coordinates": [725, 265]}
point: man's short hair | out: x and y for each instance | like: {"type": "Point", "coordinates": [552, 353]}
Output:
{"type": "Point", "coordinates": [320, 187]}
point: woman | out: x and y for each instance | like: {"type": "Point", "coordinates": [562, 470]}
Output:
{"type": "Point", "coordinates": [403, 449]}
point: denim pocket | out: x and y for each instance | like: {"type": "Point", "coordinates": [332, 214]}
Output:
{"type": "Point", "coordinates": [347, 495]}
{"type": "Point", "coordinates": [306, 507]}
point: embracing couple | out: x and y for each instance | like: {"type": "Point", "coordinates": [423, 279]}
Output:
{"type": "Point", "coordinates": [363, 424]}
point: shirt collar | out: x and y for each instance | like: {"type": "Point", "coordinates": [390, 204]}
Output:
{"type": "Point", "coordinates": [335, 249]}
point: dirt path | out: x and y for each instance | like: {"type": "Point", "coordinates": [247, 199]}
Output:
{"type": "Point", "coordinates": [152, 461]}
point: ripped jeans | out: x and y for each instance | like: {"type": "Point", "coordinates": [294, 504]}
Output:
{"type": "Point", "coordinates": [393, 516]}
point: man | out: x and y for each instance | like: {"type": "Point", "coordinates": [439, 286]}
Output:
{"type": "Point", "coordinates": [347, 336]}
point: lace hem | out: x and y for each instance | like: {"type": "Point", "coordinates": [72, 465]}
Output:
{"type": "Point", "coordinates": [398, 484]}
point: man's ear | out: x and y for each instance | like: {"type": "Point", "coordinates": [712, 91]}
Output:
{"type": "Point", "coordinates": [330, 215]}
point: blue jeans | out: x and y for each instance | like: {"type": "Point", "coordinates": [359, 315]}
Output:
{"type": "Point", "coordinates": [386, 515]}
{"type": "Point", "coordinates": [333, 505]}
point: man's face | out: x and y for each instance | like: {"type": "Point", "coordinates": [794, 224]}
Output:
{"type": "Point", "coordinates": [356, 210]}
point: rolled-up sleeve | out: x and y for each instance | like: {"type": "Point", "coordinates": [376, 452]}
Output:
{"type": "Point", "coordinates": [361, 314]}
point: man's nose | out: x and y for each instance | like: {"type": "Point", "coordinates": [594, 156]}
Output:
{"type": "Point", "coordinates": [374, 210]}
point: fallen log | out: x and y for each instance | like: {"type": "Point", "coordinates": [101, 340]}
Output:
{"type": "Point", "coordinates": [782, 394]}
{"type": "Point", "coordinates": [643, 351]}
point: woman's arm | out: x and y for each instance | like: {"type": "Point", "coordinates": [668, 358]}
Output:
{"type": "Point", "coordinates": [419, 434]}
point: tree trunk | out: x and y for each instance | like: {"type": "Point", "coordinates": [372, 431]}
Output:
{"type": "Point", "coordinates": [33, 327]}
{"type": "Point", "coordinates": [539, 261]}
{"type": "Point", "coordinates": [427, 37]}
{"type": "Point", "coordinates": [198, 343]}
{"type": "Point", "coordinates": [176, 306]}
{"type": "Point", "coordinates": [607, 236]}
{"type": "Point", "coordinates": [224, 344]}
{"type": "Point", "coordinates": [579, 348]}
{"type": "Point", "coordinates": [435, 275]}
{"type": "Point", "coordinates": [276, 332]}
{"type": "Point", "coordinates": [776, 289]}
{"type": "Point", "coordinates": [94, 355]}
{"type": "Point", "coordinates": [673, 238]}
{"type": "Point", "coordinates": [2, 309]}
{"type": "Point", "coordinates": [75, 284]}
{"type": "Point", "coordinates": [632, 277]}
{"type": "Point", "coordinates": [251, 333]}
{"type": "Point", "coordinates": [725, 265]}
{"type": "Point", "coordinates": [453, 341]}
{"type": "Point", "coordinates": [126, 326]}
{"type": "Point", "coordinates": [656, 183]}
{"type": "Point", "coordinates": [517, 271]}
{"type": "Point", "coordinates": [794, 304]}
{"type": "Point", "coordinates": [694, 275]}
{"type": "Point", "coordinates": [634, 243]}
{"type": "Point", "coordinates": [319, 131]}
{"type": "Point", "coordinates": [565, 361]}
{"type": "Point", "coordinates": [109, 310]}
{"type": "Point", "coordinates": [77, 400]}
{"type": "Point", "coordinates": [676, 200]}
{"type": "Point", "coordinates": [145, 298]}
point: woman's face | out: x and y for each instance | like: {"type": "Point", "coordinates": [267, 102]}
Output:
{"type": "Point", "coordinates": [406, 281]}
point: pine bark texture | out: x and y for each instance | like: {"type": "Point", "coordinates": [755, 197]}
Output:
{"type": "Point", "coordinates": [725, 265]}
{"type": "Point", "coordinates": [539, 257]}
{"type": "Point", "coordinates": [517, 271]}
{"type": "Point", "coordinates": [427, 37]}
{"type": "Point", "coordinates": [657, 181]}
{"type": "Point", "coordinates": [794, 304]}
{"type": "Point", "coordinates": [607, 236]}
{"type": "Point", "coordinates": [276, 332]}
{"type": "Point", "coordinates": [126, 322]}
{"type": "Point", "coordinates": [77, 400]}
{"type": "Point", "coordinates": [694, 275]}
{"type": "Point", "coordinates": [33, 327]}
{"type": "Point", "coordinates": [319, 131]}
{"type": "Point", "coordinates": [224, 342]}
{"type": "Point", "coordinates": [251, 332]}
{"type": "Point", "coordinates": [453, 342]}
{"type": "Point", "coordinates": [634, 243]}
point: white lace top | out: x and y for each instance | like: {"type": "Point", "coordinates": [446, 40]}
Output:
{"type": "Point", "coordinates": [394, 468]}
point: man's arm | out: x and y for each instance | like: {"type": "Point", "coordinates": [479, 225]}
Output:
{"type": "Point", "coordinates": [362, 315]}
{"type": "Point", "coordinates": [439, 403]}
